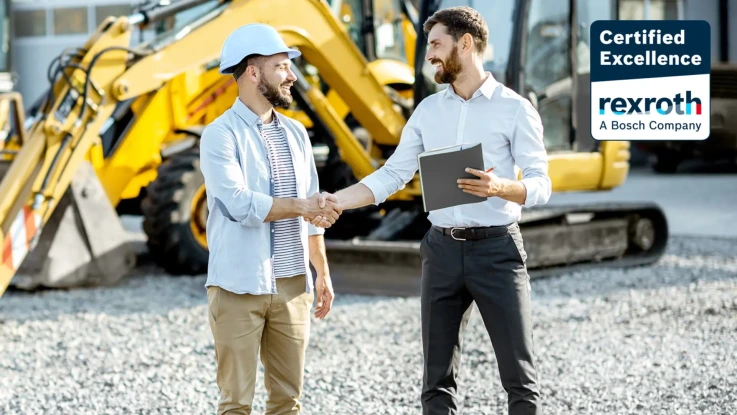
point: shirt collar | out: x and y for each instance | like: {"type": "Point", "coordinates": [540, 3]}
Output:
{"type": "Point", "coordinates": [486, 89]}
{"type": "Point", "coordinates": [249, 116]}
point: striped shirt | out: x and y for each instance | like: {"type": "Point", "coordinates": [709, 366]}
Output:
{"type": "Point", "coordinates": [288, 252]}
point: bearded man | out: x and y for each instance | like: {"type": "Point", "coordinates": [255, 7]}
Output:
{"type": "Point", "coordinates": [474, 252]}
{"type": "Point", "coordinates": [261, 179]}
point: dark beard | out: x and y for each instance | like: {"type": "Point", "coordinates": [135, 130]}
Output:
{"type": "Point", "coordinates": [274, 95]}
{"type": "Point", "coordinates": [450, 69]}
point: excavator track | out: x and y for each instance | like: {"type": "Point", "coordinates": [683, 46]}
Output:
{"type": "Point", "coordinates": [557, 240]}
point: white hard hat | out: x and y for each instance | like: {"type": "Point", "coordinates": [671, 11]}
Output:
{"type": "Point", "coordinates": [252, 39]}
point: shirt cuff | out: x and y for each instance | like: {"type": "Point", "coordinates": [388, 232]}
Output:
{"type": "Point", "coordinates": [533, 189]}
{"type": "Point", "coordinates": [378, 188]}
{"type": "Point", "coordinates": [261, 205]}
{"type": "Point", "coordinates": [314, 230]}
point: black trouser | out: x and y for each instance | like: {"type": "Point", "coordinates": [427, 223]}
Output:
{"type": "Point", "coordinates": [491, 272]}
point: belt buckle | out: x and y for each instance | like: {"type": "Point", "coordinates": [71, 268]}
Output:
{"type": "Point", "coordinates": [453, 236]}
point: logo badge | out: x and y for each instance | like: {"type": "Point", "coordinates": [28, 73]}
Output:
{"type": "Point", "coordinates": [650, 80]}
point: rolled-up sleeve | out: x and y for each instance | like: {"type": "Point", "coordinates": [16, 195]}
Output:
{"type": "Point", "coordinates": [528, 150]}
{"type": "Point", "coordinates": [313, 185]}
{"type": "Point", "coordinates": [224, 179]}
{"type": "Point", "coordinates": [402, 165]}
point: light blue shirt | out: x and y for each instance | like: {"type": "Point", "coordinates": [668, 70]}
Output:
{"type": "Point", "coordinates": [510, 131]}
{"type": "Point", "coordinates": [240, 191]}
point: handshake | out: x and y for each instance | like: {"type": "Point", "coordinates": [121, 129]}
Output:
{"type": "Point", "coordinates": [321, 209]}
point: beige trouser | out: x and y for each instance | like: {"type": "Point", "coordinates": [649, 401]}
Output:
{"type": "Point", "coordinates": [275, 326]}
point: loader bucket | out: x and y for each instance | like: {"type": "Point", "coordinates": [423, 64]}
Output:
{"type": "Point", "coordinates": [83, 244]}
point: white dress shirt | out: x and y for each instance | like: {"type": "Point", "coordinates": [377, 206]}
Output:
{"type": "Point", "coordinates": [511, 133]}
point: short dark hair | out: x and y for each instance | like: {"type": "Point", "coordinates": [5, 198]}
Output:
{"type": "Point", "coordinates": [459, 21]}
{"type": "Point", "coordinates": [243, 64]}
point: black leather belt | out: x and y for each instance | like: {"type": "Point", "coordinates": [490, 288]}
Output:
{"type": "Point", "coordinates": [471, 234]}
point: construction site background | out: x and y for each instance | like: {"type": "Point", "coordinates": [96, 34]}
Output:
{"type": "Point", "coordinates": [656, 338]}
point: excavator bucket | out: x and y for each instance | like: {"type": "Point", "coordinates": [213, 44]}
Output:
{"type": "Point", "coordinates": [83, 243]}
{"type": "Point", "coordinates": [80, 243]}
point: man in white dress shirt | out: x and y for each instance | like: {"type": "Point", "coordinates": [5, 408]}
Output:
{"type": "Point", "coordinates": [472, 252]}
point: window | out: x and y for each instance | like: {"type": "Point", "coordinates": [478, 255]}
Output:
{"type": "Point", "coordinates": [656, 10]}
{"type": "Point", "coordinates": [664, 9]}
{"type": "Point", "coordinates": [389, 36]}
{"type": "Point", "coordinates": [555, 115]}
{"type": "Point", "coordinates": [547, 69]}
{"type": "Point", "coordinates": [29, 23]}
{"type": "Point", "coordinates": [350, 13]}
{"type": "Point", "coordinates": [547, 44]}
{"type": "Point", "coordinates": [70, 21]}
{"type": "Point", "coordinates": [631, 10]}
{"type": "Point", "coordinates": [589, 11]}
{"type": "Point", "coordinates": [498, 17]}
{"type": "Point", "coordinates": [103, 12]}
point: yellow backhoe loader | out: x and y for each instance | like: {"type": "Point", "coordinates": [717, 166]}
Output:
{"type": "Point", "coordinates": [121, 124]}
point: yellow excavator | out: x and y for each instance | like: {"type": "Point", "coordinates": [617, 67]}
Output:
{"type": "Point", "coordinates": [120, 126]}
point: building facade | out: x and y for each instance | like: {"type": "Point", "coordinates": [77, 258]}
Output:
{"type": "Point", "coordinates": [41, 30]}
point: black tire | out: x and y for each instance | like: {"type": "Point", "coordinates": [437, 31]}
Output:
{"type": "Point", "coordinates": [167, 215]}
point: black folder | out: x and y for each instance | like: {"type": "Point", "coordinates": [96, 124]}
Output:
{"type": "Point", "coordinates": [440, 170]}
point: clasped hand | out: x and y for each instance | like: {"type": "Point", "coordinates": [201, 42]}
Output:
{"type": "Point", "coordinates": [323, 210]}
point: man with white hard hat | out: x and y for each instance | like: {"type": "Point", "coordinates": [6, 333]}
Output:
{"type": "Point", "coordinates": [263, 197]}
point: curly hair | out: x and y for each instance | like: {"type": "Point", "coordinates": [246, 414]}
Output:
{"type": "Point", "coordinates": [459, 21]}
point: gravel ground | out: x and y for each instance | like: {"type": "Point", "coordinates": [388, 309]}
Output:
{"type": "Point", "coordinates": [661, 339]}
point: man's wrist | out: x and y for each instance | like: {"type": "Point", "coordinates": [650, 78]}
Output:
{"type": "Point", "coordinates": [512, 190]}
{"type": "Point", "coordinates": [324, 276]}
{"type": "Point", "coordinates": [299, 207]}
{"type": "Point", "coordinates": [501, 189]}
{"type": "Point", "coordinates": [355, 196]}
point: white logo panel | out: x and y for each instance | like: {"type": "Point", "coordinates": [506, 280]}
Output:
{"type": "Point", "coordinates": [669, 108]}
